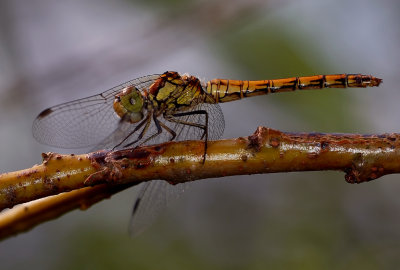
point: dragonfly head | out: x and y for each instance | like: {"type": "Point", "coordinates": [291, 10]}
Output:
{"type": "Point", "coordinates": [129, 104]}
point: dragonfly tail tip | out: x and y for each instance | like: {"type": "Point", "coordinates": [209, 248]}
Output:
{"type": "Point", "coordinates": [376, 81]}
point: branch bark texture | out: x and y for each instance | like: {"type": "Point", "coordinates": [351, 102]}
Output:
{"type": "Point", "coordinates": [361, 157]}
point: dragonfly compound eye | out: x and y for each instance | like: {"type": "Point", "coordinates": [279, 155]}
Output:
{"type": "Point", "coordinates": [129, 104]}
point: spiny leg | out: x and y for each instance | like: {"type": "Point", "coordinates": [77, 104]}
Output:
{"type": "Point", "coordinates": [159, 130]}
{"type": "Point", "coordinates": [169, 130]}
{"type": "Point", "coordinates": [144, 130]}
{"type": "Point", "coordinates": [146, 120]}
{"type": "Point", "coordinates": [203, 127]}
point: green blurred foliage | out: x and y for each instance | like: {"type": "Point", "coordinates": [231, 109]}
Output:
{"type": "Point", "coordinates": [267, 51]}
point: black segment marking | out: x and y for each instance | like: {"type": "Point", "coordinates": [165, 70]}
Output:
{"type": "Point", "coordinates": [323, 81]}
{"type": "Point", "coordinates": [218, 93]}
{"type": "Point", "coordinates": [271, 88]}
{"type": "Point", "coordinates": [296, 84]}
{"type": "Point", "coordinates": [222, 82]}
{"type": "Point", "coordinates": [359, 79]}
{"type": "Point", "coordinates": [241, 89]}
{"type": "Point", "coordinates": [227, 88]}
{"type": "Point", "coordinates": [247, 89]}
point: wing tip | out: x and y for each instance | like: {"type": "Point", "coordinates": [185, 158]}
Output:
{"type": "Point", "coordinates": [44, 113]}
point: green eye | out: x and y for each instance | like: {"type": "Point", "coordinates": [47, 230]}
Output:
{"type": "Point", "coordinates": [128, 104]}
{"type": "Point", "coordinates": [132, 100]}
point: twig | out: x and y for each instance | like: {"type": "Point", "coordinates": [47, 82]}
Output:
{"type": "Point", "coordinates": [26, 216]}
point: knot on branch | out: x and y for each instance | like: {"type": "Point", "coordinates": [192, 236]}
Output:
{"type": "Point", "coordinates": [363, 170]}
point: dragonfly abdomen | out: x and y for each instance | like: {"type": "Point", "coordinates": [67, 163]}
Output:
{"type": "Point", "coordinates": [229, 90]}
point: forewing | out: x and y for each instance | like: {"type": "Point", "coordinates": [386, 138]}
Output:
{"type": "Point", "coordinates": [83, 122]}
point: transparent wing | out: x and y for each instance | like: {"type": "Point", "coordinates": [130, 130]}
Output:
{"type": "Point", "coordinates": [153, 199]}
{"type": "Point", "coordinates": [123, 129]}
{"type": "Point", "coordinates": [216, 125]}
{"type": "Point", "coordinates": [148, 205]}
{"type": "Point", "coordinates": [156, 195]}
{"type": "Point", "coordinates": [83, 122]}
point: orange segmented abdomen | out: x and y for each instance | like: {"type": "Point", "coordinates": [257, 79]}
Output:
{"type": "Point", "coordinates": [229, 90]}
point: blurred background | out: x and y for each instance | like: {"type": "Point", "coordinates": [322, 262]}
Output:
{"type": "Point", "coordinates": [57, 51]}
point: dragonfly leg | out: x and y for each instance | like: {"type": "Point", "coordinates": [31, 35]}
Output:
{"type": "Point", "coordinates": [159, 130]}
{"type": "Point", "coordinates": [146, 121]}
{"type": "Point", "coordinates": [203, 127]}
{"type": "Point", "coordinates": [169, 130]}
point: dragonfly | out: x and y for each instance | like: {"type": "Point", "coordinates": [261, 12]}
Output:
{"type": "Point", "coordinates": [159, 108]}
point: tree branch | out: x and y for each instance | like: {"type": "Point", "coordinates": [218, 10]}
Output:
{"type": "Point", "coordinates": [361, 157]}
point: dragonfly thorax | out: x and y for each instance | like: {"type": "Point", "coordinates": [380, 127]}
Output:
{"type": "Point", "coordinates": [129, 104]}
{"type": "Point", "coordinates": [173, 93]}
